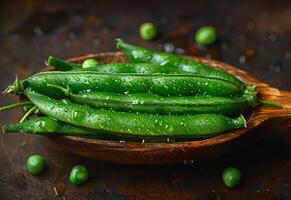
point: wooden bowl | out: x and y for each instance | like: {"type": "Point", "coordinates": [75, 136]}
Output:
{"type": "Point", "coordinates": [262, 122]}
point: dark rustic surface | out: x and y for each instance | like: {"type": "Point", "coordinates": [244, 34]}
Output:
{"type": "Point", "coordinates": [253, 36]}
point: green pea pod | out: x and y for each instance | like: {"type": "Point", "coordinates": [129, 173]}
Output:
{"type": "Point", "coordinates": [164, 85]}
{"type": "Point", "coordinates": [155, 104]}
{"type": "Point", "coordinates": [62, 65]}
{"type": "Point", "coordinates": [49, 126]}
{"type": "Point", "coordinates": [135, 125]}
{"type": "Point", "coordinates": [136, 54]}
{"type": "Point", "coordinates": [139, 68]}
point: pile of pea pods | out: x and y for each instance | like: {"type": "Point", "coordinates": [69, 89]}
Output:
{"type": "Point", "coordinates": [154, 97]}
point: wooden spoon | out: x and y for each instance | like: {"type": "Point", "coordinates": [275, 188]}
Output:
{"type": "Point", "coordinates": [262, 122]}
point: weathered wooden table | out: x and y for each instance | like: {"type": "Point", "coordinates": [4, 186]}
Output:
{"type": "Point", "coordinates": [252, 36]}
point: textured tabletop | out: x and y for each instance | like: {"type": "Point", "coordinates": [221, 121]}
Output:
{"type": "Point", "coordinates": [252, 36]}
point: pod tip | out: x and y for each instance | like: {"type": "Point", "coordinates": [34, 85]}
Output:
{"type": "Point", "coordinates": [49, 60]}
{"type": "Point", "coordinates": [16, 88]}
{"type": "Point", "coordinates": [244, 121]}
{"type": "Point", "coordinates": [4, 129]}
{"type": "Point", "coordinates": [250, 94]}
{"type": "Point", "coordinates": [118, 42]}
{"type": "Point", "coordinates": [240, 122]}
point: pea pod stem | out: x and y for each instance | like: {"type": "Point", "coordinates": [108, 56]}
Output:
{"type": "Point", "coordinates": [16, 105]}
{"type": "Point", "coordinates": [135, 125]}
{"type": "Point", "coordinates": [28, 114]}
{"type": "Point", "coordinates": [16, 88]}
{"type": "Point", "coordinates": [270, 103]}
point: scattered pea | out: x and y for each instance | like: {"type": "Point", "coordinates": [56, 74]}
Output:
{"type": "Point", "coordinates": [148, 31]}
{"type": "Point", "coordinates": [89, 63]}
{"type": "Point", "coordinates": [79, 174]}
{"type": "Point", "coordinates": [35, 164]}
{"type": "Point", "coordinates": [205, 35]}
{"type": "Point", "coordinates": [231, 177]}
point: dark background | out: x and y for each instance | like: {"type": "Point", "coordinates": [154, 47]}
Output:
{"type": "Point", "coordinates": [253, 35]}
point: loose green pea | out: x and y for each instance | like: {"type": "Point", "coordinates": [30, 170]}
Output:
{"type": "Point", "coordinates": [231, 177]}
{"type": "Point", "coordinates": [148, 31]}
{"type": "Point", "coordinates": [35, 164]}
{"type": "Point", "coordinates": [205, 35]}
{"type": "Point", "coordinates": [79, 174]}
{"type": "Point", "coordinates": [89, 63]}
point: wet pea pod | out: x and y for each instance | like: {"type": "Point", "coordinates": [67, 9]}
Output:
{"type": "Point", "coordinates": [135, 125]}
{"type": "Point", "coordinates": [155, 104]}
{"type": "Point", "coordinates": [161, 84]}
{"type": "Point", "coordinates": [49, 126]}
{"type": "Point", "coordinates": [139, 68]}
{"type": "Point", "coordinates": [136, 54]}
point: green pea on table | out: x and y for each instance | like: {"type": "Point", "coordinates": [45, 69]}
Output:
{"type": "Point", "coordinates": [231, 177]}
{"type": "Point", "coordinates": [35, 164]}
{"type": "Point", "coordinates": [79, 175]}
